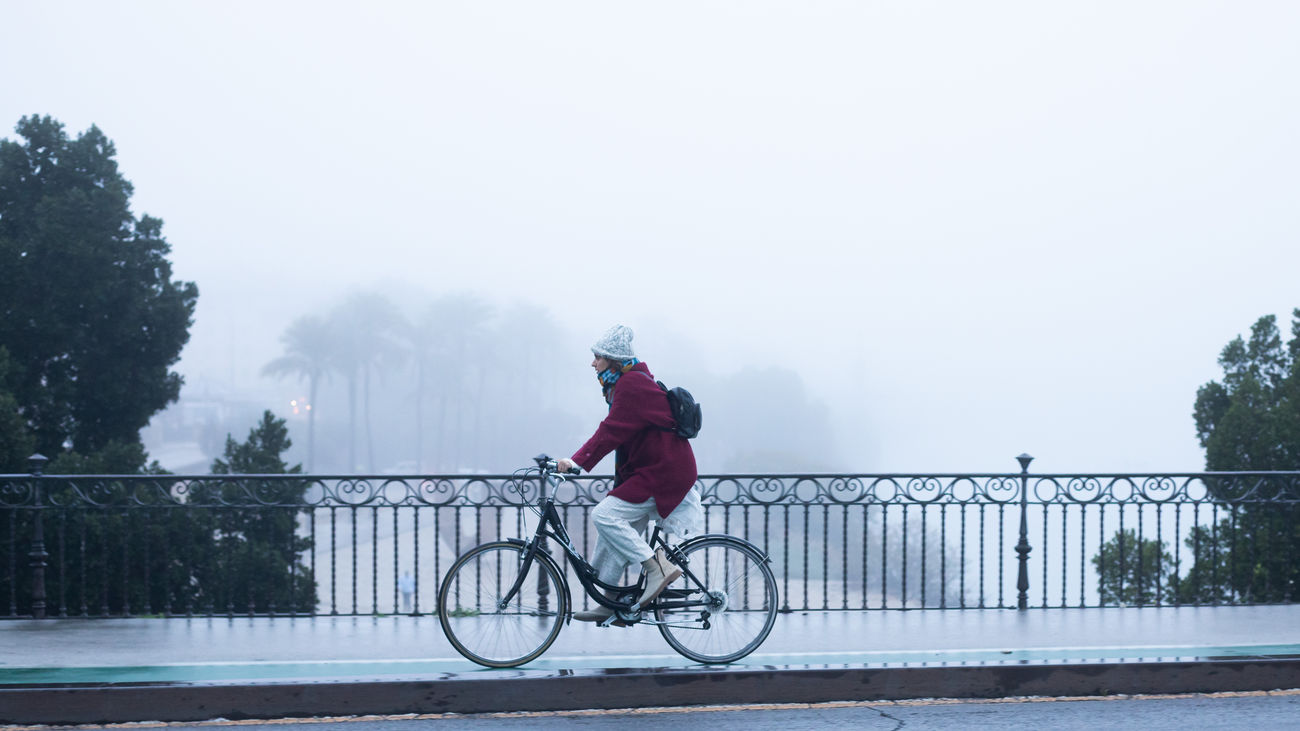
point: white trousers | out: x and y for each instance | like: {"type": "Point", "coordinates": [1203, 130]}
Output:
{"type": "Point", "coordinates": [621, 530]}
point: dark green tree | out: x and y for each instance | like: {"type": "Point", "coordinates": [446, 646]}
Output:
{"type": "Point", "coordinates": [16, 444]}
{"type": "Point", "coordinates": [254, 565]}
{"type": "Point", "coordinates": [91, 322]}
{"type": "Point", "coordinates": [89, 311]}
{"type": "Point", "coordinates": [1134, 572]}
{"type": "Point", "coordinates": [1250, 421]}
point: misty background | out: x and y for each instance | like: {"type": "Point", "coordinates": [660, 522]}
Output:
{"type": "Point", "coordinates": [868, 237]}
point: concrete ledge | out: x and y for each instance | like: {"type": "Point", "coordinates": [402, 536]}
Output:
{"type": "Point", "coordinates": [540, 690]}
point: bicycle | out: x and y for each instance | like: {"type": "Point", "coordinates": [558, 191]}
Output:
{"type": "Point", "coordinates": [720, 610]}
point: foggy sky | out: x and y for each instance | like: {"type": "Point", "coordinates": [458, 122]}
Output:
{"type": "Point", "coordinates": [975, 231]}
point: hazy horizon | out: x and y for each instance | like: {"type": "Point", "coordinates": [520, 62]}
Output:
{"type": "Point", "coordinates": [970, 232]}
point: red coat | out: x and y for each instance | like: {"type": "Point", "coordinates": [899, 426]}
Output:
{"type": "Point", "coordinates": [652, 462]}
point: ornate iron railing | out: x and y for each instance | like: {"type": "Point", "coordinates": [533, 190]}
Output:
{"type": "Point", "coordinates": [112, 545]}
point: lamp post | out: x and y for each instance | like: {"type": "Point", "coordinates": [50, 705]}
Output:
{"type": "Point", "coordinates": [1022, 548]}
{"type": "Point", "coordinates": [36, 464]}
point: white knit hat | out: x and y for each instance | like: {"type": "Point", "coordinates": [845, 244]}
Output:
{"type": "Point", "coordinates": [615, 344]}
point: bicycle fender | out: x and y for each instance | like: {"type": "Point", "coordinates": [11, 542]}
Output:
{"type": "Point", "coordinates": [559, 570]}
{"type": "Point", "coordinates": [756, 549]}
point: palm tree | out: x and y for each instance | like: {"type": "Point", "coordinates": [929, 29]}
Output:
{"type": "Point", "coordinates": [367, 326]}
{"type": "Point", "coordinates": [426, 340]}
{"type": "Point", "coordinates": [461, 322]}
{"type": "Point", "coordinates": [308, 353]}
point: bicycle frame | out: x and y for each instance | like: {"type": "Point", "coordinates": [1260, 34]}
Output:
{"type": "Point", "coordinates": [551, 526]}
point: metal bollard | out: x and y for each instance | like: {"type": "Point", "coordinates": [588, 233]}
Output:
{"type": "Point", "coordinates": [36, 464]}
{"type": "Point", "coordinates": [1022, 548]}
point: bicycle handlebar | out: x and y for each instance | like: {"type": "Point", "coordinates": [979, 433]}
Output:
{"type": "Point", "coordinates": [546, 464]}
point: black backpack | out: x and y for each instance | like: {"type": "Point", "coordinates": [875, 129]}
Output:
{"type": "Point", "coordinates": [684, 410]}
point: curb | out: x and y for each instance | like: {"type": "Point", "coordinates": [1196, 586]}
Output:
{"type": "Point", "coordinates": [505, 691]}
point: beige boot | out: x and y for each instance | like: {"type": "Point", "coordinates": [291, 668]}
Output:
{"type": "Point", "coordinates": [598, 613]}
{"type": "Point", "coordinates": [658, 575]}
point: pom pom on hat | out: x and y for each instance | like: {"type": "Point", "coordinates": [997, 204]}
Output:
{"type": "Point", "coordinates": [615, 344]}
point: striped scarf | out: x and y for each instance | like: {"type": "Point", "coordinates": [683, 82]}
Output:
{"type": "Point", "coordinates": [609, 377]}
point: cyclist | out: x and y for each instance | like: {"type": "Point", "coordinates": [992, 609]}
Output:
{"type": "Point", "coordinates": [654, 471]}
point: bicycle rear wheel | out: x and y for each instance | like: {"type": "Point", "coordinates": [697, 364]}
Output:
{"type": "Point", "coordinates": [483, 628]}
{"type": "Point", "coordinates": [734, 609]}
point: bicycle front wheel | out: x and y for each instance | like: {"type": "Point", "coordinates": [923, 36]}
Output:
{"type": "Point", "coordinates": [724, 604]}
{"type": "Point", "coordinates": [484, 627]}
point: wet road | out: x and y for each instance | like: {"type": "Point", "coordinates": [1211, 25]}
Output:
{"type": "Point", "coordinates": [133, 650]}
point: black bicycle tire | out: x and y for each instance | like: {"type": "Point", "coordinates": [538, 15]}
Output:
{"type": "Point", "coordinates": [769, 580]}
{"type": "Point", "coordinates": [557, 583]}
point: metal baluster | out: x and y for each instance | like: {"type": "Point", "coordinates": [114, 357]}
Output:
{"type": "Point", "coordinates": [498, 537]}
{"type": "Point", "coordinates": [1178, 554]}
{"type": "Point", "coordinates": [126, 564]}
{"type": "Point", "coordinates": [1101, 576]}
{"type": "Point", "coordinates": [13, 566]}
{"type": "Point", "coordinates": [903, 550]}
{"type": "Point", "coordinates": [250, 562]}
{"type": "Point", "coordinates": [806, 510]}
{"type": "Point", "coordinates": [456, 550]}
{"type": "Point", "coordinates": [844, 559]}
{"type": "Point", "coordinates": [925, 539]}
{"type": "Point", "coordinates": [1083, 554]}
{"type": "Point", "coordinates": [63, 569]}
{"type": "Point", "coordinates": [884, 556]}
{"type": "Point", "coordinates": [292, 523]}
{"type": "Point", "coordinates": [334, 561]}
{"type": "Point", "coordinates": [982, 546]}
{"type": "Point", "coordinates": [188, 552]}
{"type": "Point", "coordinates": [785, 556]}
{"type": "Point", "coordinates": [81, 535]}
{"type": "Point", "coordinates": [148, 598]}
{"type": "Point", "coordinates": [395, 561]}
{"type": "Point", "coordinates": [961, 570]}
{"type": "Point", "coordinates": [943, 555]}
{"type": "Point", "coordinates": [826, 555]}
{"type": "Point", "coordinates": [374, 559]}
{"type": "Point", "coordinates": [436, 565]}
{"type": "Point", "coordinates": [1064, 543]}
{"type": "Point", "coordinates": [168, 568]}
{"type": "Point", "coordinates": [1159, 550]}
{"type": "Point", "coordinates": [1214, 546]}
{"type": "Point", "coordinates": [103, 575]}
{"type": "Point", "coordinates": [865, 544]}
{"type": "Point", "coordinates": [315, 604]}
{"type": "Point", "coordinates": [353, 514]}
{"type": "Point", "coordinates": [1141, 588]}
{"type": "Point", "coordinates": [230, 569]}
{"type": "Point", "coordinates": [1045, 506]}
{"type": "Point", "coordinates": [499, 588]}
{"type": "Point", "coordinates": [1233, 574]}
{"type": "Point", "coordinates": [1002, 542]}
{"type": "Point", "coordinates": [785, 567]}
{"type": "Point", "coordinates": [1122, 545]}
{"type": "Point", "coordinates": [586, 543]}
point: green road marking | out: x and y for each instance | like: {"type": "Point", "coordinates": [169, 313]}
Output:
{"type": "Point", "coordinates": [430, 669]}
